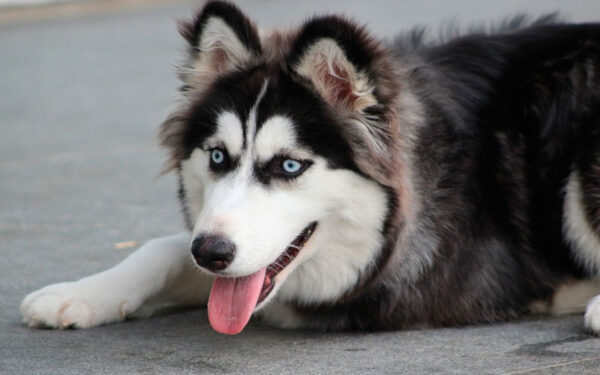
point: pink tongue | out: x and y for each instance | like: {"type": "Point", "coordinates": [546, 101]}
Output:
{"type": "Point", "coordinates": [232, 301]}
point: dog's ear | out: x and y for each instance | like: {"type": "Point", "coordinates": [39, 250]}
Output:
{"type": "Point", "coordinates": [339, 59]}
{"type": "Point", "coordinates": [221, 39]}
{"type": "Point", "coordinates": [354, 74]}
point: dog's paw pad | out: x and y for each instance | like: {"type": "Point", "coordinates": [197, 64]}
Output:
{"type": "Point", "coordinates": [55, 307]}
{"type": "Point", "coordinates": [592, 315]}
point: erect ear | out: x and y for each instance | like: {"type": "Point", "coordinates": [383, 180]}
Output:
{"type": "Point", "coordinates": [221, 39]}
{"type": "Point", "coordinates": [355, 75]}
{"type": "Point", "coordinates": [340, 60]}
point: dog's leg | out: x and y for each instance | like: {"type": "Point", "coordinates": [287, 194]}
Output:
{"type": "Point", "coordinates": [160, 273]}
{"type": "Point", "coordinates": [582, 229]}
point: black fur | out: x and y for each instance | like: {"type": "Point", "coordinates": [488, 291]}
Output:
{"type": "Point", "coordinates": [359, 48]}
{"type": "Point", "coordinates": [236, 92]}
{"type": "Point", "coordinates": [284, 96]}
{"type": "Point", "coordinates": [230, 14]}
{"type": "Point", "coordinates": [509, 116]}
{"type": "Point", "coordinates": [353, 41]}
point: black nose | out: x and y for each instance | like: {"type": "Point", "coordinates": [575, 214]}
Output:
{"type": "Point", "coordinates": [213, 252]}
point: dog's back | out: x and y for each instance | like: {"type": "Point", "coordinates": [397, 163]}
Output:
{"type": "Point", "coordinates": [506, 169]}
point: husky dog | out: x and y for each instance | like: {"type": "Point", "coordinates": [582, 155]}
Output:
{"type": "Point", "coordinates": [331, 181]}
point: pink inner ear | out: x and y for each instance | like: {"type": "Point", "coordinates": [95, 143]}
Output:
{"type": "Point", "coordinates": [336, 85]}
{"type": "Point", "coordinates": [219, 60]}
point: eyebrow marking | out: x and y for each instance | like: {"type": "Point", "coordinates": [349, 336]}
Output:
{"type": "Point", "coordinates": [276, 134]}
{"type": "Point", "coordinates": [229, 131]}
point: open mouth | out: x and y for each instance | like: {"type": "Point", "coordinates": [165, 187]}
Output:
{"type": "Point", "coordinates": [233, 299]}
{"type": "Point", "coordinates": [284, 259]}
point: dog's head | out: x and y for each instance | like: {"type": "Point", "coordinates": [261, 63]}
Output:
{"type": "Point", "coordinates": [284, 145]}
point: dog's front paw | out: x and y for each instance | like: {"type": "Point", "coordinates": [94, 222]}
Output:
{"type": "Point", "coordinates": [592, 315]}
{"type": "Point", "coordinates": [66, 305]}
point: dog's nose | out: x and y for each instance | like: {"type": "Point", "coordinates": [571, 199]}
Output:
{"type": "Point", "coordinates": [213, 252]}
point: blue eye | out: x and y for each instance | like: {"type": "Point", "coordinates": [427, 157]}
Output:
{"type": "Point", "coordinates": [291, 166]}
{"type": "Point", "coordinates": [282, 167]}
{"type": "Point", "coordinates": [217, 156]}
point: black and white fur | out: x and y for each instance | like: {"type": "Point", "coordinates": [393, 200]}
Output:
{"type": "Point", "coordinates": [452, 183]}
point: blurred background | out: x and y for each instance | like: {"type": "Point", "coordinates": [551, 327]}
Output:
{"type": "Point", "coordinates": [385, 15]}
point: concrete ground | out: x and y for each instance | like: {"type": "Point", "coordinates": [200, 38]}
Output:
{"type": "Point", "coordinates": [81, 96]}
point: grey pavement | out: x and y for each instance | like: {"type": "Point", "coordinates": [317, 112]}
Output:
{"type": "Point", "coordinates": [80, 101]}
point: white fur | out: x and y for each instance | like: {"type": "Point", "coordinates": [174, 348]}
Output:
{"type": "Point", "coordinates": [263, 220]}
{"type": "Point", "coordinates": [275, 136]}
{"type": "Point", "coordinates": [346, 242]}
{"type": "Point", "coordinates": [156, 275]}
{"type": "Point", "coordinates": [592, 315]}
{"type": "Point", "coordinates": [229, 131]}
